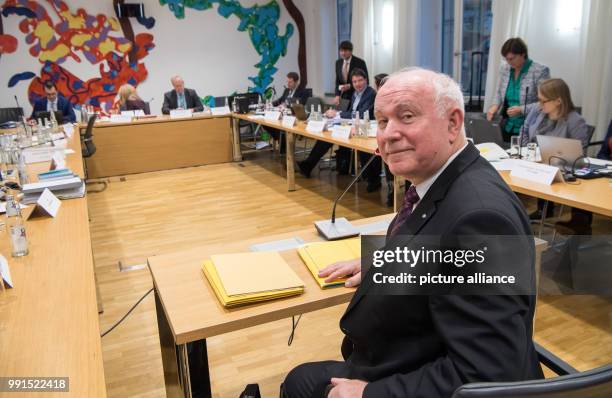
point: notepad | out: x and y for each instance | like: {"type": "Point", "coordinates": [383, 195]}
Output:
{"type": "Point", "coordinates": [245, 278]}
{"type": "Point", "coordinates": [318, 255]}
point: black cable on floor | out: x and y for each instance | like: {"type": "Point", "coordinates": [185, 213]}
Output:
{"type": "Point", "coordinates": [294, 324]}
{"type": "Point", "coordinates": [128, 313]}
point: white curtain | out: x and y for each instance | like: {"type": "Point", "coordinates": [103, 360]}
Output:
{"type": "Point", "coordinates": [597, 68]}
{"type": "Point", "coordinates": [384, 34]}
{"type": "Point", "coordinates": [571, 37]}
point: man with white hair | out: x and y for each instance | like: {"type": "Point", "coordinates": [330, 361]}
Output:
{"type": "Point", "coordinates": [181, 97]}
{"type": "Point", "coordinates": [429, 345]}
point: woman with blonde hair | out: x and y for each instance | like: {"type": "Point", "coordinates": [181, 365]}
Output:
{"type": "Point", "coordinates": [129, 100]}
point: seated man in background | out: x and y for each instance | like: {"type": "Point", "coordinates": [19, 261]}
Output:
{"type": "Point", "coordinates": [293, 92]}
{"type": "Point", "coordinates": [181, 97]}
{"type": "Point", "coordinates": [53, 101]}
{"type": "Point", "coordinates": [428, 345]}
{"type": "Point", "coordinates": [362, 101]}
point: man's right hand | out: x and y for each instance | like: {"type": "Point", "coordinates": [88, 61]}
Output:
{"type": "Point", "coordinates": [342, 269]}
{"type": "Point", "coordinates": [491, 112]}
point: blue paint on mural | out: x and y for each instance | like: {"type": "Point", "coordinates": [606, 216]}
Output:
{"type": "Point", "coordinates": [259, 21]}
{"type": "Point", "coordinates": [19, 77]}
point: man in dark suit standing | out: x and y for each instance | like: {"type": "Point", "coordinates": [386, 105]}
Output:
{"type": "Point", "coordinates": [181, 97]}
{"type": "Point", "coordinates": [293, 92]}
{"type": "Point", "coordinates": [362, 101]}
{"type": "Point", "coordinates": [53, 101]}
{"type": "Point", "coordinates": [429, 345]}
{"type": "Point", "coordinates": [345, 65]}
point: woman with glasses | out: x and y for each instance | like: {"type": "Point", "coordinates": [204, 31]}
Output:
{"type": "Point", "coordinates": [519, 78]}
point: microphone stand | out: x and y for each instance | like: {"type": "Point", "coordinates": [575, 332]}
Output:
{"type": "Point", "coordinates": [333, 229]}
{"type": "Point", "coordinates": [520, 148]}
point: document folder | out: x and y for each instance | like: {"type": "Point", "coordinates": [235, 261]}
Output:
{"type": "Point", "coordinates": [318, 255]}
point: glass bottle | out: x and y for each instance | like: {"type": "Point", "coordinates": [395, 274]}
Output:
{"type": "Point", "coordinates": [16, 228]}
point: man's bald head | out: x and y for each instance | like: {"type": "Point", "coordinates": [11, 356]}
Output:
{"type": "Point", "coordinates": [420, 117]}
{"type": "Point", "coordinates": [177, 83]}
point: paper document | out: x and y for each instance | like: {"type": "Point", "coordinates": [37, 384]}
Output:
{"type": "Point", "coordinates": [318, 255]}
{"type": "Point", "coordinates": [492, 151]}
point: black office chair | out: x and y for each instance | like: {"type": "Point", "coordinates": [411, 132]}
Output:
{"type": "Point", "coordinates": [10, 114]}
{"type": "Point", "coordinates": [344, 104]}
{"type": "Point", "coordinates": [595, 383]}
{"type": "Point", "coordinates": [88, 149]}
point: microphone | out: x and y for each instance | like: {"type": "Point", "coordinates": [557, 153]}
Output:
{"type": "Point", "coordinates": [341, 228]}
{"type": "Point", "coordinates": [19, 107]}
{"type": "Point", "coordinates": [520, 148]}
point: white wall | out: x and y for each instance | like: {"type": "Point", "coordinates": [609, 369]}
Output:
{"type": "Point", "coordinates": [205, 48]}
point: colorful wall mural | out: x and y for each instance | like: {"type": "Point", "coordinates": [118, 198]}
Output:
{"type": "Point", "coordinates": [55, 34]}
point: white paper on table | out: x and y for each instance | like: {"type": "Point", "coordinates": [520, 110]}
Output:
{"type": "Point", "coordinates": [315, 126]}
{"type": "Point", "coordinates": [536, 172]}
{"type": "Point", "coordinates": [288, 121]}
{"type": "Point", "coordinates": [341, 132]}
{"type": "Point", "coordinates": [127, 113]}
{"type": "Point", "coordinates": [256, 117]}
{"type": "Point", "coordinates": [5, 273]}
{"type": "Point", "coordinates": [492, 151]}
{"type": "Point", "coordinates": [121, 118]}
{"type": "Point", "coordinates": [272, 116]}
{"type": "Point", "coordinates": [58, 160]}
{"type": "Point", "coordinates": [220, 110]}
{"type": "Point", "coordinates": [180, 113]}
{"type": "Point", "coordinates": [68, 129]}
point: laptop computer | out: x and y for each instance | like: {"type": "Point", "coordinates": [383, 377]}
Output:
{"type": "Point", "coordinates": [559, 151]}
{"type": "Point", "coordinates": [482, 130]}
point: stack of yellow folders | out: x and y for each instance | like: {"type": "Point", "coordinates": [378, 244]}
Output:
{"type": "Point", "coordinates": [245, 278]}
{"type": "Point", "coordinates": [318, 255]}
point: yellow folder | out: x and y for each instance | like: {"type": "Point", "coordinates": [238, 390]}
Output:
{"type": "Point", "coordinates": [318, 255]}
{"type": "Point", "coordinates": [246, 278]}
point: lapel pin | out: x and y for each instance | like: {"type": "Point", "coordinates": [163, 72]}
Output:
{"type": "Point", "coordinates": [424, 215]}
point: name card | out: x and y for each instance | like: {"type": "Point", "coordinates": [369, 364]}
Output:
{"type": "Point", "coordinates": [288, 121]}
{"type": "Point", "coordinates": [139, 112]}
{"type": "Point", "coordinates": [46, 205]}
{"type": "Point", "coordinates": [272, 116]}
{"type": "Point", "coordinates": [127, 113]}
{"type": "Point", "coordinates": [5, 273]}
{"type": "Point", "coordinates": [58, 160]}
{"type": "Point", "coordinates": [341, 132]}
{"type": "Point", "coordinates": [121, 118]}
{"type": "Point", "coordinates": [68, 129]}
{"type": "Point", "coordinates": [315, 126]}
{"type": "Point", "coordinates": [220, 110]}
{"type": "Point", "coordinates": [536, 172]}
{"type": "Point", "coordinates": [180, 113]}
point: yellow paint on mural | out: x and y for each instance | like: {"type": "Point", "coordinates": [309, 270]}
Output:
{"type": "Point", "coordinates": [74, 21]}
{"type": "Point", "coordinates": [125, 47]}
{"type": "Point", "coordinates": [58, 52]}
{"type": "Point", "coordinates": [78, 40]}
{"type": "Point", "coordinates": [44, 33]}
{"type": "Point", "coordinates": [106, 46]}
{"type": "Point", "coordinates": [114, 24]}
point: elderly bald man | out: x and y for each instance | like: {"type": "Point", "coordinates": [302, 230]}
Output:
{"type": "Point", "coordinates": [181, 97]}
{"type": "Point", "coordinates": [429, 345]}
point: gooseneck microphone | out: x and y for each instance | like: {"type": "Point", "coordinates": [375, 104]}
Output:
{"type": "Point", "coordinates": [332, 230]}
{"type": "Point", "coordinates": [520, 148]}
{"type": "Point", "coordinates": [19, 107]}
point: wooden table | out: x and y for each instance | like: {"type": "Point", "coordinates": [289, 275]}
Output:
{"type": "Point", "coordinates": [160, 143]}
{"type": "Point", "coordinates": [49, 320]}
{"type": "Point", "coordinates": [188, 312]}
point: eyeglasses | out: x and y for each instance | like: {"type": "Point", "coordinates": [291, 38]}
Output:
{"type": "Point", "coordinates": [541, 101]}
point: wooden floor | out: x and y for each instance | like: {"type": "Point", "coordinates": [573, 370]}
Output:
{"type": "Point", "coordinates": [161, 212]}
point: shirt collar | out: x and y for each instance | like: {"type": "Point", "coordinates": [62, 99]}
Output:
{"type": "Point", "coordinates": [348, 61]}
{"type": "Point", "coordinates": [424, 186]}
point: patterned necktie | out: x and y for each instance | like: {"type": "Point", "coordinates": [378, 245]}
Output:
{"type": "Point", "coordinates": [345, 70]}
{"type": "Point", "coordinates": [410, 198]}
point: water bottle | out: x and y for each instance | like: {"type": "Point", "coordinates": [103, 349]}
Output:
{"type": "Point", "coordinates": [22, 169]}
{"type": "Point", "coordinates": [16, 228]}
{"type": "Point", "coordinates": [366, 123]}
{"type": "Point", "coordinates": [356, 123]}
{"type": "Point", "coordinates": [313, 115]}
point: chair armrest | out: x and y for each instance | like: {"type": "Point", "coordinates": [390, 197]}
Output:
{"type": "Point", "coordinates": [553, 362]}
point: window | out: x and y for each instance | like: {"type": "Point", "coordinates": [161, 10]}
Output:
{"type": "Point", "coordinates": [344, 10]}
{"type": "Point", "coordinates": [465, 46]}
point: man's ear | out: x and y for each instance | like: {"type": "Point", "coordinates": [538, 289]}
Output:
{"type": "Point", "coordinates": [455, 124]}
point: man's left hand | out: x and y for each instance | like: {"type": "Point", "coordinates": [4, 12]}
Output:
{"type": "Point", "coordinates": [347, 388]}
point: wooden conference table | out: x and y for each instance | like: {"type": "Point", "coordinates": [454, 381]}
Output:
{"type": "Point", "coordinates": [49, 320]}
{"type": "Point", "coordinates": [188, 312]}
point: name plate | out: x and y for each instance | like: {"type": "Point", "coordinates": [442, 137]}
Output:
{"type": "Point", "coordinates": [68, 129]}
{"type": "Point", "coordinates": [272, 116]}
{"type": "Point", "coordinates": [341, 132]}
{"type": "Point", "coordinates": [5, 273]}
{"type": "Point", "coordinates": [127, 113]}
{"type": "Point", "coordinates": [536, 172]}
{"type": "Point", "coordinates": [47, 204]}
{"type": "Point", "coordinates": [220, 110]}
{"type": "Point", "coordinates": [180, 113]}
{"type": "Point", "coordinates": [121, 118]}
{"type": "Point", "coordinates": [288, 121]}
{"type": "Point", "coordinates": [315, 126]}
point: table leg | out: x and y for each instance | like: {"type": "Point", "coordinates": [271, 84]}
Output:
{"type": "Point", "coordinates": [185, 365]}
{"type": "Point", "coordinates": [290, 140]}
{"type": "Point", "coordinates": [236, 140]}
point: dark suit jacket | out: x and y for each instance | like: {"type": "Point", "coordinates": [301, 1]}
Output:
{"type": "Point", "coordinates": [427, 346]}
{"type": "Point", "coordinates": [366, 103]}
{"type": "Point", "coordinates": [355, 63]}
{"type": "Point", "coordinates": [191, 98]}
{"type": "Point", "coordinates": [63, 105]}
{"type": "Point", "coordinates": [299, 94]}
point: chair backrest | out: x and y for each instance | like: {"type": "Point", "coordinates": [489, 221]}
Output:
{"type": "Point", "coordinates": [220, 101]}
{"type": "Point", "coordinates": [89, 148]}
{"type": "Point", "coordinates": [308, 92]}
{"type": "Point", "coordinates": [590, 131]}
{"type": "Point", "coordinates": [147, 108]}
{"type": "Point", "coordinates": [10, 114]}
{"type": "Point", "coordinates": [595, 383]}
